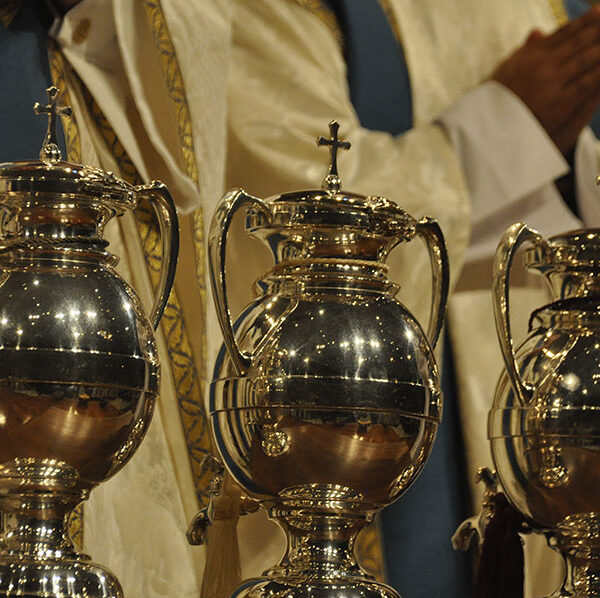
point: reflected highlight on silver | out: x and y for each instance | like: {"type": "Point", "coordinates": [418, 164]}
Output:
{"type": "Point", "coordinates": [544, 426]}
{"type": "Point", "coordinates": [79, 370]}
{"type": "Point", "coordinates": [326, 398]}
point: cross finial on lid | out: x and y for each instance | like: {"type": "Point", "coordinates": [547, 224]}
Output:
{"type": "Point", "coordinates": [332, 181]}
{"type": "Point", "coordinates": [50, 150]}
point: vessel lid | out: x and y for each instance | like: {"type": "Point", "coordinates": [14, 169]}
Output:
{"type": "Point", "coordinates": [331, 207]}
{"type": "Point", "coordinates": [52, 175]}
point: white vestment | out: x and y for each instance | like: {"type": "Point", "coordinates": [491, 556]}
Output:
{"type": "Point", "coordinates": [157, 71]}
{"type": "Point", "coordinates": [458, 164]}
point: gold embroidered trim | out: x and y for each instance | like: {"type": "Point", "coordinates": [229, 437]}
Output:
{"type": "Point", "coordinates": [71, 131]}
{"type": "Point", "coordinates": [321, 10]}
{"type": "Point", "coordinates": [559, 11]}
{"type": "Point", "coordinates": [8, 10]}
{"type": "Point", "coordinates": [75, 526]}
{"type": "Point", "coordinates": [176, 91]}
{"type": "Point", "coordinates": [174, 82]}
{"type": "Point", "coordinates": [193, 415]}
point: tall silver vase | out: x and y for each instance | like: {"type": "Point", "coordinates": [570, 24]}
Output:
{"type": "Point", "coordinates": [79, 369]}
{"type": "Point", "coordinates": [326, 397]}
{"type": "Point", "coordinates": [544, 425]}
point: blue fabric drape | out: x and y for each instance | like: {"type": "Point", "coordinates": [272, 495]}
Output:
{"type": "Point", "coordinates": [24, 77]}
{"type": "Point", "coordinates": [377, 73]}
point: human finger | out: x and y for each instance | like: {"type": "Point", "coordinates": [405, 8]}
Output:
{"type": "Point", "coordinates": [583, 85]}
{"type": "Point", "coordinates": [563, 34]}
{"type": "Point", "coordinates": [585, 39]}
{"type": "Point", "coordinates": [577, 117]}
{"type": "Point", "coordinates": [579, 65]}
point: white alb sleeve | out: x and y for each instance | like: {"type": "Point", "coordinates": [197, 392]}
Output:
{"type": "Point", "coordinates": [510, 165]}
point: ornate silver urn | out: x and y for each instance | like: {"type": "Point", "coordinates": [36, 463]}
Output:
{"type": "Point", "coordinates": [79, 368]}
{"type": "Point", "coordinates": [544, 425]}
{"type": "Point", "coordinates": [326, 397]}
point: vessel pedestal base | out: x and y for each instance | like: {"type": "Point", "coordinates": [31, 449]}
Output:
{"type": "Point", "coordinates": [321, 526]}
{"type": "Point", "coordinates": [577, 539]}
{"type": "Point", "coordinates": [37, 556]}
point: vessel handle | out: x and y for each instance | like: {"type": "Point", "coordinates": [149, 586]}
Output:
{"type": "Point", "coordinates": [430, 231]}
{"type": "Point", "coordinates": [513, 238]}
{"type": "Point", "coordinates": [217, 240]}
{"type": "Point", "coordinates": [166, 213]}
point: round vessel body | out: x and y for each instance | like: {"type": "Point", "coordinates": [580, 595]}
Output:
{"type": "Point", "coordinates": [78, 367]}
{"type": "Point", "coordinates": [330, 398]}
{"type": "Point", "coordinates": [547, 451]}
{"type": "Point", "coordinates": [65, 577]}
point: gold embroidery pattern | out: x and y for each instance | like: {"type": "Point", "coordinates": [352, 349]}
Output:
{"type": "Point", "coordinates": [559, 11]}
{"type": "Point", "coordinates": [321, 10]}
{"type": "Point", "coordinates": [195, 418]}
{"type": "Point", "coordinates": [189, 388]}
{"type": "Point", "coordinates": [75, 526]}
{"type": "Point", "coordinates": [57, 70]}
{"type": "Point", "coordinates": [176, 91]}
{"type": "Point", "coordinates": [72, 141]}
{"type": "Point", "coordinates": [174, 83]}
{"type": "Point", "coordinates": [8, 10]}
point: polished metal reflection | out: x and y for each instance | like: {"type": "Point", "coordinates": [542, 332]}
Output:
{"type": "Point", "coordinates": [326, 398]}
{"type": "Point", "coordinates": [544, 426]}
{"type": "Point", "coordinates": [79, 370]}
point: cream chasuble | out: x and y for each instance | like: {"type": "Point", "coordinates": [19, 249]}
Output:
{"type": "Point", "coordinates": [288, 79]}
{"type": "Point", "coordinates": [146, 80]}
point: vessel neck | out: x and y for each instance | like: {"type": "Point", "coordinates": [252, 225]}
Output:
{"type": "Point", "coordinates": [573, 283]}
{"type": "Point", "coordinates": [36, 504]}
{"type": "Point", "coordinates": [318, 276]}
{"type": "Point", "coordinates": [320, 544]}
{"type": "Point", "coordinates": [36, 254]}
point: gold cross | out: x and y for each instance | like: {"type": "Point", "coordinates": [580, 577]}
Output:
{"type": "Point", "coordinates": [50, 150]}
{"type": "Point", "coordinates": [332, 180]}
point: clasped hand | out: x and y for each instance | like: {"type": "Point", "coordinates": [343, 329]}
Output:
{"type": "Point", "coordinates": [557, 76]}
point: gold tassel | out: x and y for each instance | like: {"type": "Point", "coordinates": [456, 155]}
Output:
{"type": "Point", "coordinates": [223, 572]}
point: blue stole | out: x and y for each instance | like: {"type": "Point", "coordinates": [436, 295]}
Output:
{"type": "Point", "coordinates": [24, 77]}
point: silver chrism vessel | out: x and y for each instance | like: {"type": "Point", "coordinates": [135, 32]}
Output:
{"type": "Point", "coordinates": [326, 399]}
{"type": "Point", "coordinates": [544, 426]}
{"type": "Point", "coordinates": [79, 368]}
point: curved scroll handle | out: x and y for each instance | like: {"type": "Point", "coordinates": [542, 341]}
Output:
{"type": "Point", "coordinates": [513, 238]}
{"type": "Point", "coordinates": [431, 232]}
{"type": "Point", "coordinates": [162, 203]}
{"type": "Point", "coordinates": [217, 240]}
